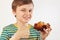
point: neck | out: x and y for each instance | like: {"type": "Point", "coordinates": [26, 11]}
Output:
{"type": "Point", "coordinates": [20, 24]}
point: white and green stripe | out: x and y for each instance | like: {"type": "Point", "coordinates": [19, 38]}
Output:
{"type": "Point", "coordinates": [9, 31]}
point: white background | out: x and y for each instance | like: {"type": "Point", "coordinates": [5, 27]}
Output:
{"type": "Point", "coordinates": [44, 10]}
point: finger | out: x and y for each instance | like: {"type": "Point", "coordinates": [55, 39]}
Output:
{"type": "Point", "coordinates": [45, 30]}
{"type": "Point", "coordinates": [48, 27]}
{"type": "Point", "coordinates": [48, 30]}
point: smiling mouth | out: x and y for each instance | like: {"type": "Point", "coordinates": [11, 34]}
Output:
{"type": "Point", "coordinates": [27, 18]}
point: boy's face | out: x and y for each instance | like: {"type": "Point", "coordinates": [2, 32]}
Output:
{"type": "Point", "coordinates": [24, 13]}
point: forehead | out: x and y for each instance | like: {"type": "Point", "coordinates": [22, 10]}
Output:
{"type": "Point", "coordinates": [26, 6]}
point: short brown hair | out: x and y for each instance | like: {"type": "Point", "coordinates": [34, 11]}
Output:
{"type": "Point", "coordinates": [16, 3]}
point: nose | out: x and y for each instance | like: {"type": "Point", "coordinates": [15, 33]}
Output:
{"type": "Point", "coordinates": [28, 13]}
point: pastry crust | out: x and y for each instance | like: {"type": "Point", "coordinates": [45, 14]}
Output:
{"type": "Point", "coordinates": [40, 26]}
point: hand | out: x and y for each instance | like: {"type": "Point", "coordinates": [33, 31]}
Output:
{"type": "Point", "coordinates": [46, 32]}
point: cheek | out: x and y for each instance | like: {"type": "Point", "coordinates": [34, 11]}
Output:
{"type": "Point", "coordinates": [31, 15]}
{"type": "Point", "coordinates": [20, 14]}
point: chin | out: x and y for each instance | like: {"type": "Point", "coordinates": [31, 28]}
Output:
{"type": "Point", "coordinates": [26, 21]}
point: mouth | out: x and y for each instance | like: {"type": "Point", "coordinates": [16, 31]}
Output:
{"type": "Point", "coordinates": [27, 18]}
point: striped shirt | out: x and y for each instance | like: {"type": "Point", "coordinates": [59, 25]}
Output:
{"type": "Point", "coordinates": [9, 31]}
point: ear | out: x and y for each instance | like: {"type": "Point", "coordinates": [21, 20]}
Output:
{"type": "Point", "coordinates": [14, 12]}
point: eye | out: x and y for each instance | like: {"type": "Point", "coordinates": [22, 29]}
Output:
{"type": "Point", "coordinates": [23, 10]}
{"type": "Point", "coordinates": [30, 10]}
